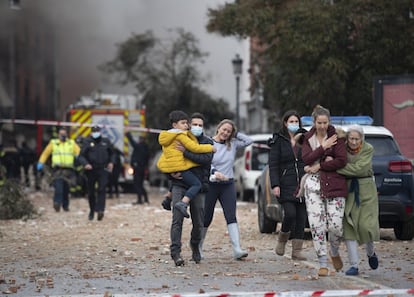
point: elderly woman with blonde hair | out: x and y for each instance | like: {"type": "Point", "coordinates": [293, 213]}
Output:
{"type": "Point", "coordinates": [360, 222]}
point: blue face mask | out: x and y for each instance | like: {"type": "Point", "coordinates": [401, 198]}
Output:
{"type": "Point", "coordinates": [293, 128]}
{"type": "Point", "coordinates": [96, 135]}
{"type": "Point", "coordinates": [196, 130]}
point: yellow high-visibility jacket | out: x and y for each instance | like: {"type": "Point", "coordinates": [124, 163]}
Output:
{"type": "Point", "coordinates": [63, 153]}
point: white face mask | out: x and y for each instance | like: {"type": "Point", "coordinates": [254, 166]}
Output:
{"type": "Point", "coordinates": [293, 127]}
{"type": "Point", "coordinates": [196, 130]}
{"type": "Point", "coordinates": [96, 134]}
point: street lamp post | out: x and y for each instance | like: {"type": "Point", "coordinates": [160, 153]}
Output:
{"type": "Point", "coordinates": [237, 70]}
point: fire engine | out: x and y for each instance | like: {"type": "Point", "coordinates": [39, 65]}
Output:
{"type": "Point", "coordinates": [113, 112]}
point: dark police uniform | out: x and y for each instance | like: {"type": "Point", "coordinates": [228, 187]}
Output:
{"type": "Point", "coordinates": [98, 153]}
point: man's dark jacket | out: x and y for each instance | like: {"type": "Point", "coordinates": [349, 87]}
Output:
{"type": "Point", "coordinates": [97, 152]}
{"type": "Point", "coordinates": [202, 171]}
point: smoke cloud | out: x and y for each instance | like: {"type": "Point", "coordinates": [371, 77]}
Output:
{"type": "Point", "coordinates": [87, 32]}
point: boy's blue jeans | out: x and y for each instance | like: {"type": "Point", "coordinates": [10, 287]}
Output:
{"type": "Point", "coordinates": [193, 183]}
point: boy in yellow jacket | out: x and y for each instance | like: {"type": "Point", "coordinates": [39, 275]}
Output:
{"type": "Point", "coordinates": [172, 160]}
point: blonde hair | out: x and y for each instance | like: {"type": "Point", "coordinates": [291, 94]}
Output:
{"type": "Point", "coordinates": [319, 110]}
{"type": "Point", "coordinates": [233, 132]}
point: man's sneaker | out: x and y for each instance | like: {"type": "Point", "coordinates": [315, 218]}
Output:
{"type": "Point", "coordinates": [182, 207]}
{"type": "Point", "coordinates": [166, 203]}
{"type": "Point", "coordinates": [178, 260]}
{"type": "Point", "coordinates": [373, 261]}
{"type": "Point", "coordinates": [196, 253]}
{"type": "Point", "coordinates": [91, 214]}
{"type": "Point", "coordinates": [352, 271]}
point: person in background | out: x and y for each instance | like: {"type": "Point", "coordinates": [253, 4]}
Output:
{"type": "Point", "coordinates": [98, 158]}
{"type": "Point", "coordinates": [323, 153]}
{"type": "Point", "coordinates": [221, 187]}
{"type": "Point", "coordinates": [361, 225]}
{"type": "Point", "coordinates": [178, 188]}
{"type": "Point", "coordinates": [11, 160]}
{"type": "Point", "coordinates": [173, 160]}
{"type": "Point", "coordinates": [64, 151]}
{"type": "Point", "coordinates": [113, 182]}
{"type": "Point", "coordinates": [28, 158]}
{"type": "Point", "coordinates": [285, 171]}
{"type": "Point", "coordinates": [139, 161]}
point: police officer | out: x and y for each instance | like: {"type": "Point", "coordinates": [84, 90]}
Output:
{"type": "Point", "coordinates": [97, 157]}
{"type": "Point", "coordinates": [63, 151]}
{"type": "Point", "coordinates": [139, 161]}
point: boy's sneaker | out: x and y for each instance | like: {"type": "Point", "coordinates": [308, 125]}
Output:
{"type": "Point", "coordinates": [166, 203]}
{"type": "Point", "coordinates": [373, 261]}
{"type": "Point", "coordinates": [182, 207]}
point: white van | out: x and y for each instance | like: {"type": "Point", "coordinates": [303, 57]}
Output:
{"type": "Point", "coordinates": [248, 165]}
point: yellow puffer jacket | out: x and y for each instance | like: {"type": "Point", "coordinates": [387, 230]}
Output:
{"type": "Point", "coordinates": [171, 159]}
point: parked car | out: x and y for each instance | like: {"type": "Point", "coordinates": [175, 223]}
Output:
{"type": "Point", "coordinates": [393, 176]}
{"type": "Point", "coordinates": [249, 163]}
{"type": "Point", "coordinates": [155, 176]}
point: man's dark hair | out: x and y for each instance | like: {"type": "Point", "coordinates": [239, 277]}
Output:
{"type": "Point", "coordinates": [177, 115]}
{"type": "Point", "coordinates": [198, 115]}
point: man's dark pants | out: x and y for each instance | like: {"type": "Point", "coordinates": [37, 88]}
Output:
{"type": "Point", "coordinates": [99, 176]}
{"type": "Point", "coordinates": [139, 176]}
{"type": "Point", "coordinates": [197, 219]}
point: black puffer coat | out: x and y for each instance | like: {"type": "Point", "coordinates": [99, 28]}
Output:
{"type": "Point", "coordinates": [285, 167]}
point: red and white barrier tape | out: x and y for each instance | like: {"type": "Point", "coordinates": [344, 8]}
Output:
{"type": "Point", "coordinates": [327, 293]}
{"type": "Point", "coordinates": [72, 124]}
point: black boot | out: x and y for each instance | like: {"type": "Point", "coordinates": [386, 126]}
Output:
{"type": "Point", "coordinates": [196, 256]}
{"type": "Point", "coordinates": [139, 201]}
{"type": "Point", "coordinates": [178, 260]}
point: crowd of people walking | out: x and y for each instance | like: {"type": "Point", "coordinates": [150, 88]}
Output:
{"type": "Point", "coordinates": [323, 176]}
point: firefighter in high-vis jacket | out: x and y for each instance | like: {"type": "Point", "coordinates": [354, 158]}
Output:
{"type": "Point", "coordinates": [64, 151]}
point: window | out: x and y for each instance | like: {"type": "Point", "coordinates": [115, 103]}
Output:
{"type": "Point", "coordinates": [383, 145]}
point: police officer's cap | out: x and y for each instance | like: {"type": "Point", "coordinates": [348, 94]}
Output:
{"type": "Point", "coordinates": [96, 128]}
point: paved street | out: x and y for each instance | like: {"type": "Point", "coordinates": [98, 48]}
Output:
{"type": "Point", "coordinates": [128, 253]}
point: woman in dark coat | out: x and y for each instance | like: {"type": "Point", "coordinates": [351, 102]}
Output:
{"type": "Point", "coordinates": [285, 170]}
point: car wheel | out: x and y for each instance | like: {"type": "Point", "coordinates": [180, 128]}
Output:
{"type": "Point", "coordinates": [405, 230]}
{"type": "Point", "coordinates": [266, 225]}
